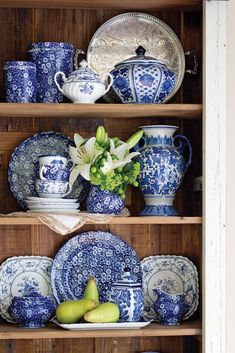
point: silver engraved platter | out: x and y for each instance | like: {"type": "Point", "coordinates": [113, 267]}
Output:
{"type": "Point", "coordinates": [118, 38]}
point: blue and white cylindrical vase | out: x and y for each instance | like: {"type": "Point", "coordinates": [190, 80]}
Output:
{"type": "Point", "coordinates": [20, 81]}
{"type": "Point", "coordinates": [163, 166]}
{"type": "Point", "coordinates": [49, 58]}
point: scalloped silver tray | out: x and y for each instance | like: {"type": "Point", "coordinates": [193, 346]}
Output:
{"type": "Point", "coordinates": [118, 38]}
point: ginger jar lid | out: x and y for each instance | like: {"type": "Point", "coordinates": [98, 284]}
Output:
{"type": "Point", "coordinates": [139, 58]}
{"type": "Point", "coordinates": [84, 74]}
{"type": "Point", "coordinates": [127, 281]}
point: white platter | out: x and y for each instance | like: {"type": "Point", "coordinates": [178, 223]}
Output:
{"type": "Point", "coordinates": [104, 326]}
{"type": "Point", "coordinates": [54, 206]}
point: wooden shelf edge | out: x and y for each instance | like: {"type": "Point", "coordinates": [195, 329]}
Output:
{"type": "Point", "coordinates": [166, 5]}
{"type": "Point", "coordinates": [11, 221]}
{"type": "Point", "coordinates": [189, 328]}
{"type": "Point", "coordinates": [96, 111]}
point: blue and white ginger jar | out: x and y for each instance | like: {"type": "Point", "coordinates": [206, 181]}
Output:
{"type": "Point", "coordinates": [32, 310]}
{"type": "Point", "coordinates": [142, 79]}
{"type": "Point", "coordinates": [103, 201]}
{"type": "Point", "coordinates": [128, 295]}
{"type": "Point", "coordinates": [162, 167]}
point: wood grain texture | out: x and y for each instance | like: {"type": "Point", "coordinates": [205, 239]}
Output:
{"type": "Point", "coordinates": [166, 5]}
{"type": "Point", "coordinates": [189, 328]}
{"type": "Point", "coordinates": [101, 111]}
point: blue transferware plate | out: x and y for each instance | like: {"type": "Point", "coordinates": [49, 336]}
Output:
{"type": "Point", "coordinates": [21, 275]}
{"type": "Point", "coordinates": [174, 275]}
{"type": "Point", "coordinates": [99, 254]}
{"type": "Point", "coordinates": [23, 166]}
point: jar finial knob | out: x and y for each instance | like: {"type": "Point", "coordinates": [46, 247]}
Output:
{"type": "Point", "coordinates": [140, 50]}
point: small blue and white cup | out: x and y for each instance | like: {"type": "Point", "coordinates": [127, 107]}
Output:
{"type": "Point", "coordinates": [54, 167]}
{"type": "Point", "coordinates": [52, 188]}
{"type": "Point", "coordinates": [53, 172]}
{"type": "Point", "coordinates": [20, 81]}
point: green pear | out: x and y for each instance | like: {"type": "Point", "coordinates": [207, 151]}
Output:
{"type": "Point", "coordinates": [70, 312]}
{"type": "Point", "coordinates": [106, 312]}
{"type": "Point", "coordinates": [91, 291]}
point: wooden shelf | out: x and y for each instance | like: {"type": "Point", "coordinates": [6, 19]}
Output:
{"type": "Point", "coordinates": [97, 111]}
{"type": "Point", "coordinates": [188, 328]}
{"type": "Point", "coordinates": [4, 220]}
{"type": "Point", "coordinates": [166, 5]}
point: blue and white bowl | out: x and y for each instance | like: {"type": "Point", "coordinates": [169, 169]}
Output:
{"type": "Point", "coordinates": [20, 81]}
{"type": "Point", "coordinates": [33, 310]}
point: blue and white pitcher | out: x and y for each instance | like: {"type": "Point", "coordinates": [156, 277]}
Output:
{"type": "Point", "coordinates": [162, 168]}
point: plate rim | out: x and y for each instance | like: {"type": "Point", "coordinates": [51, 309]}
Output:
{"type": "Point", "coordinates": [156, 21]}
{"type": "Point", "coordinates": [78, 236]}
{"type": "Point", "coordinates": [12, 258]}
{"type": "Point", "coordinates": [91, 326]}
{"type": "Point", "coordinates": [184, 258]}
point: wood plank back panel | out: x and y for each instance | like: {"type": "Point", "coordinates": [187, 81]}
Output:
{"type": "Point", "coordinates": [78, 26]}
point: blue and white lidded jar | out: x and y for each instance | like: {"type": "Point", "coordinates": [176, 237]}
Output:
{"type": "Point", "coordinates": [142, 79]}
{"type": "Point", "coordinates": [20, 81]}
{"type": "Point", "coordinates": [128, 295]}
{"type": "Point", "coordinates": [49, 58]}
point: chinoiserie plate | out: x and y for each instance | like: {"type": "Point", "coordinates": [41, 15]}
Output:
{"type": "Point", "coordinates": [174, 275]}
{"type": "Point", "coordinates": [23, 166]}
{"type": "Point", "coordinates": [117, 39]}
{"type": "Point", "coordinates": [21, 275]}
{"type": "Point", "coordinates": [104, 326]}
{"type": "Point", "coordinates": [98, 254]}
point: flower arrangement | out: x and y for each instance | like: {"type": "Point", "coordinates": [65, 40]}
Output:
{"type": "Point", "coordinates": [106, 162]}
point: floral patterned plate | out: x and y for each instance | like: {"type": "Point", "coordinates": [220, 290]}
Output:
{"type": "Point", "coordinates": [20, 275]}
{"type": "Point", "coordinates": [23, 166]}
{"type": "Point", "coordinates": [174, 275]}
{"type": "Point", "coordinates": [102, 255]}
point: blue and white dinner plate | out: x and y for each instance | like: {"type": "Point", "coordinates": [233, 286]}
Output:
{"type": "Point", "coordinates": [21, 275]}
{"type": "Point", "coordinates": [174, 275]}
{"type": "Point", "coordinates": [23, 166]}
{"type": "Point", "coordinates": [99, 254]}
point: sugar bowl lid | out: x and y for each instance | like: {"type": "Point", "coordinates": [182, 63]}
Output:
{"type": "Point", "coordinates": [84, 73]}
{"type": "Point", "coordinates": [139, 58]}
{"type": "Point", "coordinates": [127, 280]}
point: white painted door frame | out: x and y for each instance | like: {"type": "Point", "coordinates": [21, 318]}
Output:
{"type": "Point", "coordinates": [214, 171]}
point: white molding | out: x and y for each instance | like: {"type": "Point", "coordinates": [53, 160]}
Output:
{"type": "Point", "coordinates": [214, 201]}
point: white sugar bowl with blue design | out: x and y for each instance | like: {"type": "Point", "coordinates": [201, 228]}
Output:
{"type": "Point", "coordinates": [128, 295]}
{"type": "Point", "coordinates": [142, 79]}
{"type": "Point", "coordinates": [83, 85]}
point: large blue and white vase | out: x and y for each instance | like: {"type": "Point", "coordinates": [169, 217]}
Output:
{"type": "Point", "coordinates": [163, 166]}
{"type": "Point", "coordinates": [49, 58]}
{"type": "Point", "coordinates": [142, 79]}
{"type": "Point", "coordinates": [128, 295]}
{"type": "Point", "coordinates": [103, 201]}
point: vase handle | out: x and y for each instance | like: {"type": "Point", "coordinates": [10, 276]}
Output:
{"type": "Point", "coordinates": [182, 145]}
{"type": "Point", "coordinates": [140, 145]}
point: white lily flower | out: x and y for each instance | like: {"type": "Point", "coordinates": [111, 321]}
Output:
{"type": "Point", "coordinates": [121, 160]}
{"type": "Point", "coordinates": [83, 157]}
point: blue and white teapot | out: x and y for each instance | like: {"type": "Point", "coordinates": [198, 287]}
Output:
{"type": "Point", "coordinates": [128, 295]}
{"type": "Point", "coordinates": [83, 85]}
{"type": "Point", "coordinates": [142, 79]}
